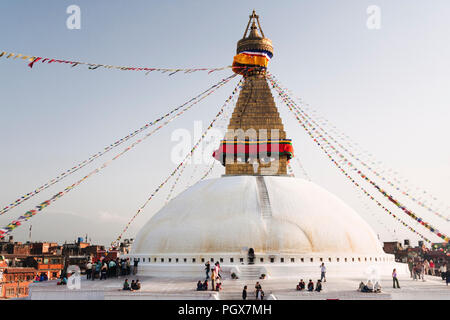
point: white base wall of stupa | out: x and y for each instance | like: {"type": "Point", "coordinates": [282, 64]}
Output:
{"type": "Point", "coordinates": [161, 266]}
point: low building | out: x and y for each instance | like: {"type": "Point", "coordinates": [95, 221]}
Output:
{"type": "Point", "coordinates": [15, 248]}
{"type": "Point", "coordinates": [50, 265]}
{"type": "Point", "coordinates": [14, 282]}
{"type": "Point", "coordinates": [43, 247]}
{"type": "Point", "coordinates": [95, 252]}
{"type": "Point", "coordinates": [74, 249]}
{"type": "Point", "coordinates": [392, 247]}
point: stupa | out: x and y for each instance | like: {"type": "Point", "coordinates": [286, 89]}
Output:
{"type": "Point", "coordinates": [255, 218]}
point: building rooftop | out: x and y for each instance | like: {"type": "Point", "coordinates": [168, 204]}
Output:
{"type": "Point", "coordinates": [18, 270]}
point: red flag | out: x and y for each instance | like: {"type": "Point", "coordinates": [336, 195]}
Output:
{"type": "Point", "coordinates": [32, 62]}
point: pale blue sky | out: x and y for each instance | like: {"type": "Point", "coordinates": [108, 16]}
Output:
{"type": "Point", "coordinates": [388, 89]}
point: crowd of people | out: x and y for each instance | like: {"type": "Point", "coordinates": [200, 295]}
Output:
{"type": "Point", "coordinates": [114, 268]}
{"type": "Point", "coordinates": [369, 287]}
{"type": "Point", "coordinates": [216, 278]}
{"type": "Point", "coordinates": [110, 268]}
{"type": "Point", "coordinates": [376, 288]}
{"type": "Point", "coordinates": [310, 287]}
{"type": "Point", "coordinates": [418, 270]}
{"type": "Point", "coordinates": [41, 277]}
{"type": "Point", "coordinates": [216, 282]}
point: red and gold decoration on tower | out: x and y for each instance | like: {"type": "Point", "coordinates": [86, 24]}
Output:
{"type": "Point", "coordinates": [254, 149]}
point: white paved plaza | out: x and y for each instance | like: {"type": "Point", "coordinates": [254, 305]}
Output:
{"type": "Point", "coordinates": [343, 288]}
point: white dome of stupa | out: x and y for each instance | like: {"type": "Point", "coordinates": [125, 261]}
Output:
{"type": "Point", "coordinates": [271, 214]}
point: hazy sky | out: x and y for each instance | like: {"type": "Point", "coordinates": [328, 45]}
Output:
{"type": "Point", "coordinates": [388, 89]}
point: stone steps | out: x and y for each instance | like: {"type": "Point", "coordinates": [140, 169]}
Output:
{"type": "Point", "coordinates": [232, 290]}
{"type": "Point", "coordinates": [264, 201]}
{"type": "Point", "coordinates": [249, 272]}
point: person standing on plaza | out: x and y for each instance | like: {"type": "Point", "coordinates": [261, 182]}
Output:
{"type": "Point", "coordinates": [323, 270]}
{"type": "Point", "coordinates": [213, 278]}
{"type": "Point", "coordinates": [257, 288]}
{"type": "Point", "coordinates": [411, 267]}
{"type": "Point", "coordinates": [112, 268]}
{"type": "Point", "coordinates": [117, 269]}
{"type": "Point", "coordinates": [426, 267]}
{"type": "Point", "coordinates": [135, 265]}
{"type": "Point", "coordinates": [218, 269]}
{"type": "Point", "coordinates": [123, 266]}
{"type": "Point", "coordinates": [432, 266]}
{"type": "Point", "coordinates": [128, 266]}
{"type": "Point", "coordinates": [103, 271]}
{"type": "Point", "coordinates": [244, 293]}
{"type": "Point", "coordinates": [89, 270]}
{"type": "Point", "coordinates": [417, 272]}
{"type": "Point", "coordinates": [207, 269]}
{"type": "Point", "coordinates": [259, 294]}
{"type": "Point", "coordinates": [422, 270]}
{"type": "Point", "coordinates": [394, 279]}
{"type": "Point", "coordinates": [443, 271]}
{"type": "Point", "coordinates": [97, 267]}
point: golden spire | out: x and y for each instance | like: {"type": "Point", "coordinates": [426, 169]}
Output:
{"type": "Point", "coordinates": [254, 40]}
{"type": "Point", "coordinates": [255, 118]}
{"type": "Point", "coordinates": [254, 18]}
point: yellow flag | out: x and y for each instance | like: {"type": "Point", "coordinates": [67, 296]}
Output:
{"type": "Point", "coordinates": [1, 54]}
{"type": "Point", "coordinates": [10, 55]}
{"type": "Point", "coordinates": [18, 56]}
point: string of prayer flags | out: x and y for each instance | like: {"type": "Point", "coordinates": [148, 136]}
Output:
{"type": "Point", "coordinates": [370, 168]}
{"type": "Point", "coordinates": [351, 179]}
{"type": "Point", "coordinates": [115, 243]}
{"type": "Point", "coordinates": [10, 227]}
{"type": "Point", "coordinates": [32, 60]}
{"type": "Point", "coordinates": [224, 115]}
{"type": "Point", "coordinates": [304, 122]}
{"type": "Point", "coordinates": [208, 171]}
{"type": "Point", "coordinates": [117, 143]}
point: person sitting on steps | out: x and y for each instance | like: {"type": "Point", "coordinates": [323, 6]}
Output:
{"type": "Point", "coordinates": [310, 285]}
{"type": "Point", "coordinates": [301, 285]}
{"type": "Point", "coordinates": [318, 286]}
{"type": "Point", "coordinates": [126, 285]}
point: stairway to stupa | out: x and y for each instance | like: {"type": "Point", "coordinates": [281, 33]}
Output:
{"type": "Point", "coordinates": [249, 272]}
{"type": "Point", "coordinates": [264, 201]}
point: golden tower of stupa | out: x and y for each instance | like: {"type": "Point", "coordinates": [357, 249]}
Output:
{"type": "Point", "coordinates": [255, 116]}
